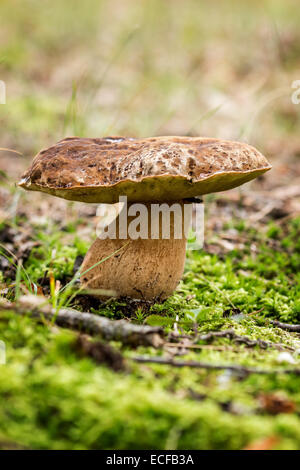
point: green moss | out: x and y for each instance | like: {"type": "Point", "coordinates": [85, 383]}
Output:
{"type": "Point", "coordinates": [55, 255]}
{"type": "Point", "coordinates": [52, 399]}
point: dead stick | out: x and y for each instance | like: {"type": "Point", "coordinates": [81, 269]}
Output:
{"type": "Point", "coordinates": [200, 346]}
{"type": "Point", "coordinates": [285, 326]}
{"type": "Point", "coordinates": [239, 339]}
{"type": "Point", "coordinates": [119, 330]}
{"type": "Point", "coordinates": [203, 365]}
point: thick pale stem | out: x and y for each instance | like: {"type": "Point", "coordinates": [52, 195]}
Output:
{"type": "Point", "coordinates": [147, 269]}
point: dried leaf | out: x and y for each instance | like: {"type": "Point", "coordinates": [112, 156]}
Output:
{"type": "Point", "coordinates": [267, 443]}
{"type": "Point", "coordinates": [275, 403]}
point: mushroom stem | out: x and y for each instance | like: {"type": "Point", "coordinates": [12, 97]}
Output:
{"type": "Point", "coordinates": [146, 268]}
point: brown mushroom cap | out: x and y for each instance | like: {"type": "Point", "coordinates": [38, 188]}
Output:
{"type": "Point", "coordinates": [152, 169]}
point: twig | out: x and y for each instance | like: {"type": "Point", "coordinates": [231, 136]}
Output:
{"type": "Point", "coordinates": [119, 330]}
{"type": "Point", "coordinates": [262, 213]}
{"type": "Point", "coordinates": [230, 334]}
{"type": "Point", "coordinates": [200, 346]}
{"type": "Point", "coordinates": [101, 353]}
{"type": "Point", "coordinates": [255, 311]}
{"type": "Point", "coordinates": [285, 326]}
{"type": "Point", "coordinates": [241, 370]}
{"type": "Point", "coordinates": [3, 149]}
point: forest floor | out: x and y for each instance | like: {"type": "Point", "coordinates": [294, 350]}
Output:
{"type": "Point", "coordinates": [230, 376]}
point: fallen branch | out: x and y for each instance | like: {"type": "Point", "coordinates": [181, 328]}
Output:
{"type": "Point", "coordinates": [119, 330]}
{"type": "Point", "coordinates": [238, 339]}
{"type": "Point", "coordinates": [240, 370]}
{"type": "Point", "coordinates": [101, 353]}
{"type": "Point", "coordinates": [200, 346]}
{"type": "Point", "coordinates": [285, 326]}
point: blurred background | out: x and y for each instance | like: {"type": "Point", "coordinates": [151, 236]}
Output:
{"type": "Point", "coordinates": [153, 67]}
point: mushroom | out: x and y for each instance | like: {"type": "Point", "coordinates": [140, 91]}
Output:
{"type": "Point", "coordinates": [150, 171]}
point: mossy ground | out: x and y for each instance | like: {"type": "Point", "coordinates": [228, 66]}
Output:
{"type": "Point", "coordinates": [139, 69]}
{"type": "Point", "coordinates": [52, 398]}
